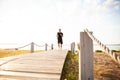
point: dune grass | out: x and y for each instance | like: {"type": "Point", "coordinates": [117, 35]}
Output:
{"type": "Point", "coordinates": [70, 68]}
{"type": "Point", "coordinates": [7, 53]}
{"type": "Point", "coordinates": [105, 68]}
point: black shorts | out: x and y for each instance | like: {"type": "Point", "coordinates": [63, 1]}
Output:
{"type": "Point", "coordinates": [60, 41]}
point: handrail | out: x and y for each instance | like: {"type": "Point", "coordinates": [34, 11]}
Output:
{"type": "Point", "coordinates": [107, 50]}
{"type": "Point", "coordinates": [39, 45]}
{"type": "Point", "coordinates": [32, 44]}
{"type": "Point", "coordinates": [23, 46]}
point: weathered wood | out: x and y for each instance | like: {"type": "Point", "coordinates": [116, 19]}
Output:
{"type": "Point", "coordinates": [52, 47]}
{"type": "Point", "coordinates": [106, 49]}
{"type": "Point", "coordinates": [38, 66]}
{"type": "Point", "coordinates": [9, 75]}
{"type": "Point", "coordinates": [32, 47]}
{"type": "Point", "coordinates": [86, 57]}
{"type": "Point", "coordinates": [73, 47]}
{"type": "Point", "coordinates": [46, 46]}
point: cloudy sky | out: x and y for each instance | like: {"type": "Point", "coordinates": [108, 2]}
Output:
{"type": "Point", "coordinates": [24, 21]}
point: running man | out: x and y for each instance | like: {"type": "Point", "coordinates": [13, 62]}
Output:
{"type": "Point", "coordinates": [59, 38]}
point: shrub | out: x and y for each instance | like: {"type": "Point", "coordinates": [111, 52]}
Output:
{"type": "Point", "coordinates": [119, 50]}
{"type": "Point", "coordinates": [70, 68]}
{"type": "Point", "coordinates": [114, 50]}
{"type": "Point", "coordinates": [98, 50]}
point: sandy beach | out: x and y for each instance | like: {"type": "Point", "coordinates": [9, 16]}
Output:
{"type": "Point", "coordinates": [105, 68]}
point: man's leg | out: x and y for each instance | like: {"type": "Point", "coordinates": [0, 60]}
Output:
{"type": "Point", "coordinates": [60, 45]}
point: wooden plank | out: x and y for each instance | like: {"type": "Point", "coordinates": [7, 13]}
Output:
{"type": "Point", "coordinates": [12, 74]}
{"type": "Point", "coordinates": [73, 47]}
{"type": "Point", "coordinates": [6, 60]}
{"type": "Point", "coordinates": [49, 62]}
{"type": "Point", "coordinates": [86, 57]}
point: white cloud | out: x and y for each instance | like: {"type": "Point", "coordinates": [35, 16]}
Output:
{"type": "Point", "coordinates": [111, 4]}
{"type": "Point", "coordinates": [100, 6]}
{"type": "Point", "coordinates": [117, 5]}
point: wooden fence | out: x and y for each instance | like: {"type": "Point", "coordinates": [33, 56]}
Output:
{"type": "Point", "coordinates": [32, 47]}
{"type": "Point", "coordinates": [86, 55]}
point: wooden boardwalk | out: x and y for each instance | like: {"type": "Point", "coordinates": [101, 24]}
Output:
{"type": "Point", "coordinates": [35, 66]}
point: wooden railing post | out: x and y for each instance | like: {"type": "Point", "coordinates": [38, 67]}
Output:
{"type": "Point", "coordinates": [73, 47]}
{"type": "Point", "coordinates": [46, 46]}
{"type": "Point", "coordinates": [51, 46]}
{"type": "Point", "coordinates": [32, 47]}
{"type": "Point", "coordinates": [86, 57]}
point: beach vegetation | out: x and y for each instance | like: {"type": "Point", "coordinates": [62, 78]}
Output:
{"type": "Point", "coordinates": [70, 68]}
{"type": "Point", "coordinates": [98, 51]}
{"type": "Point", "coordinates": [10, 52]}
{"type": "Point", "coordinates": [105, 68]}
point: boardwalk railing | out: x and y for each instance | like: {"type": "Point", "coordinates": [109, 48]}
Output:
{"type": "Point", "coordinates": [32, 47]}
{"type": "Point", "coordinates": [86, 55]}
{"type": "Point", "coordinates": [113, 55]}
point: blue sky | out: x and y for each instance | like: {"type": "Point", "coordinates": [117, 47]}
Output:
{"type": "Point", "coordinates": [24, 21]}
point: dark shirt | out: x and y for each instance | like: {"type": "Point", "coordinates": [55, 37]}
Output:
{"type": "Point", "coordinates": [59, 36]}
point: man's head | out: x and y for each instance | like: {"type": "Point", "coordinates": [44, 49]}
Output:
{"type": "Point", "coordinates": [59, 30]}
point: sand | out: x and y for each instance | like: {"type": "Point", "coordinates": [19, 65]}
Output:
{"type": "Point", "coordinates": [105, 68]}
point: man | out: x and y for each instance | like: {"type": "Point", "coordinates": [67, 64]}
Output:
{"type": "Point", "coordinates": [59, 38]}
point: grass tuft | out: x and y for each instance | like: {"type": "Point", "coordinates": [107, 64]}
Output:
{"type": "Point", "coordinates": [8, 53]}
{"type": "Point", "coordinates": [70, 68]}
